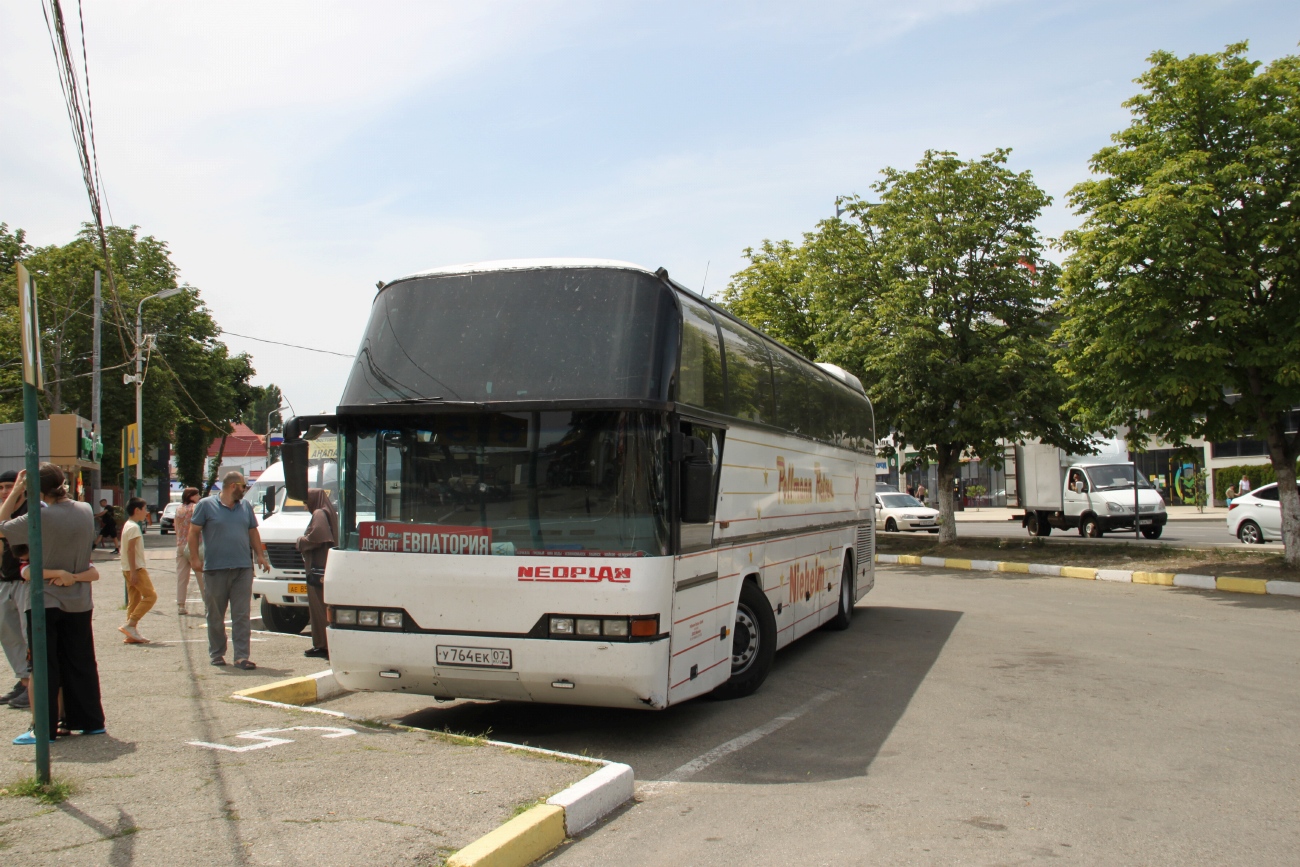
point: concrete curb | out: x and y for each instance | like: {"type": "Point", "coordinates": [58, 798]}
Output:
{"type": "Point", "coordinates": [1223, 584]}
{"type": "Point", "coordinates": [526, 837]}
{"type": "Point", "coordinates": [297, 690]}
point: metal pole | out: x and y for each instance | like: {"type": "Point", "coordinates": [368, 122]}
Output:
{"type": "Point", "coordinates": [36, 579]}
{"type": "Point", "coordinates": [96, 476]}
{"type": "Point", "coordinates": [139, 405]}
{"type": "Point", "coordinates": [1137, 512]}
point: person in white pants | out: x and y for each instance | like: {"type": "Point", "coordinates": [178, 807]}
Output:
{"type": "Point", "coordinates": [13, 625]}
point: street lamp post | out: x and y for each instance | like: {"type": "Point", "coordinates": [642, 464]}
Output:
{"type": "Point", "coordinates": [138, 379]}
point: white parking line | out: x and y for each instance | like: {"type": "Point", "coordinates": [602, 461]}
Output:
{"type": "Point", "coordinates": [694, 766]}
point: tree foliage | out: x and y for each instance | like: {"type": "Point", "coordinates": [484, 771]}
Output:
{"type": "Point", "coordinates": [1182, 290]}
{"type": "Point", "coordinates": [192, 382]}
{"type": "Point", "coordinates": [938, 298]}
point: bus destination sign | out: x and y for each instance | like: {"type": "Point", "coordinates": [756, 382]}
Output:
{"type": "Point", "coordinates": [398, 538]}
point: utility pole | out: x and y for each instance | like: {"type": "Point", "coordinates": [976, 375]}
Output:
{"type": "Point", "coordinates": [139, 383]}
{"type": "Point", "coordinates": [96, 477]}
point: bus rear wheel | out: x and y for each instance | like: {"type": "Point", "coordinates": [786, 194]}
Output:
{"type": "Point", "coordinates": [844, 616]}
{"type": "Point", "coordinates": [282, 618]}
{"type": "Point", "coordinates": [753, 643]}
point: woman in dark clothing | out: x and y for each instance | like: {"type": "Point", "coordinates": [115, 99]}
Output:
{"type": "Point", "coordinates": [315, 545]}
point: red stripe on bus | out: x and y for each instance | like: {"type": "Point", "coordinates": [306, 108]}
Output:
{"type": "Point", "coordinates": [800, 515]}
{"type": "Point", "coordinates": [800, 557]}
{"type": "Point", "coordinates": [693, 646]}
{"type": "Point", "coordinates": [698, 673]}
{"type": "Point", "coordinates": [702, 613]}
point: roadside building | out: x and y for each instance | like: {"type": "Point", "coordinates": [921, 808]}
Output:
{"type": "Point", "coordinates": [66, 440]}
{"type": "Point", "coordinates": [243, 450]}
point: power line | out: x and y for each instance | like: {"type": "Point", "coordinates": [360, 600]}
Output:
{"type": "Point", "coordinates": [290, 345]}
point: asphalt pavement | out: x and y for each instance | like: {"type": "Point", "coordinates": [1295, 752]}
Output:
{"type": "Point", "coordinates": [186, 775]}
{"type": "Point", "coordinates": [963, 718]}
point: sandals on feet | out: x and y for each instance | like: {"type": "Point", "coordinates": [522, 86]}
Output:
{"type": "Point", "coordinates": [245, 664]}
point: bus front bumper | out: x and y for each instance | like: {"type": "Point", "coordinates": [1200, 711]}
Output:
{"type": "Point", "coordinates": [595, 673]}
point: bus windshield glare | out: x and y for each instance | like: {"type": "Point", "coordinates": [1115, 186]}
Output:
{"type": "Point", "coordinates": [587, 483]}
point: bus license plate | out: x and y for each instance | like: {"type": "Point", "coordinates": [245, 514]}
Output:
{"type": "Point", "coordinates": [474, 657]}
{"type": "Point", "coordinates": [300, 589]}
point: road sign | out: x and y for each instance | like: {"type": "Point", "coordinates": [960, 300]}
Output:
{"type": "Point", "coordinates": [31, 330]}
{"type": "Point", "coordinates": [131, 446]}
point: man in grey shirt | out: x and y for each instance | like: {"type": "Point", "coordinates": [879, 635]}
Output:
{"type": "Point", "coordinates": [67, 533]}
{"type": "Point", "coordinates": [227, 527]}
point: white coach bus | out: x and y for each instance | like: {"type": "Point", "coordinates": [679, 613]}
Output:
{"type": "Point", "coordinates": [578, 482]}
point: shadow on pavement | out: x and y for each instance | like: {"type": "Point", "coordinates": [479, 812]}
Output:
{"type": "Point", "coordinates": [874, 668]}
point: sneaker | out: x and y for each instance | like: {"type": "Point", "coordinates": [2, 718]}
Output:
{"type": "Point", "coordinates": [13, 693]}
{"type": "Point", "coordinates": [133, 635]}
{"type": "Point", "coordinates": [181, 612]}
{"type": "Point", "coordinates": [84, 732]}
{"type": "Point", "coordinates": [317, 653]}
{"type": "Point", "coordinates": [20, 701]}
{"type": "Point", "coordinates": [25, 739]}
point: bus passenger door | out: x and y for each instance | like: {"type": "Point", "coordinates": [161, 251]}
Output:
{"type": "Point", "coordinates": [701, 653]}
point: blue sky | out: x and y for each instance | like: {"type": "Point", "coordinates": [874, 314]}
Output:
{"type": "Point", "coordinates": [295, 153]}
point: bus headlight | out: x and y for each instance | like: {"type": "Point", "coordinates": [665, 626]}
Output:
{"type": "Point", "coordinates": [616, 627]}
{"type": "Point", "coordinates": [589, 628]}
{"type": "Point", "coordinates": [392, 619]}
{"type": "Point", "coordinates": [345, 616]}
{"type": "Point", "coordinates": [367, 618]}
{"type": "Point", "coordinates": [561, 625]}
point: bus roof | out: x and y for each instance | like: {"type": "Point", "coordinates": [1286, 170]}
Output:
{"type": "Point", "coordinates": [524, 265]}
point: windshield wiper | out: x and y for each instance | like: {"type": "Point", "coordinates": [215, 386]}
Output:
{"type": "Point", "coordinates": [410, 400]}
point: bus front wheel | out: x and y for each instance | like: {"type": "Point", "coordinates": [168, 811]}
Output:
{"type": "Point", "coordinates": [753, 643]}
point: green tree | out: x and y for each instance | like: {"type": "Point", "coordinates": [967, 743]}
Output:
{"type": "Point", "coordinates": [937, 297]}
{"type": "Point", "coordinates": [265, 406]}
{"type": "Point", "coordinates": [952, 327]}
{"type": "Point", "coordinates": [1182, 290]}
{"type": "Point", "coordinates": [191, 379]}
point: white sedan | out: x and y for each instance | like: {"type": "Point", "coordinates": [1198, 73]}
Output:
{"type": "Point", "coordinates": [1256, 517]}
{"type": "Point", "coordinates": [896, 512]}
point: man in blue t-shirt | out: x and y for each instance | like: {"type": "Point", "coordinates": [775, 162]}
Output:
{"type": "Point", "coordinates": [227, 527]}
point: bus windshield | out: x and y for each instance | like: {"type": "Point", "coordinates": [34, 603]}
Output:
{"type": "Point", "coordinates": [559, 483]}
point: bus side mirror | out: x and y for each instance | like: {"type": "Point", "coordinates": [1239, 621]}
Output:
{"type": "Point", "coordinates": [697, 492]}
{"type": "Point", "coordinates": [294, 454]}
{"type": "Point", "coordinates": [268, 502]}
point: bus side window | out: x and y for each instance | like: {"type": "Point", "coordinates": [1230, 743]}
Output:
{"type": "Point", "coordinates": [699, 536]}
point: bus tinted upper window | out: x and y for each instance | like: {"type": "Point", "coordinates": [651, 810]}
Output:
{"type": "Point", "coordinates": [700, 380]}
{"type": "Point", "coordinates": [529, 335]}
{"type": "Point", "coordinates": [749, 374]}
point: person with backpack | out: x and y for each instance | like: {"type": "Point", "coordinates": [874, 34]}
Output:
{"type": "Point", "coordinates": [315, 545]}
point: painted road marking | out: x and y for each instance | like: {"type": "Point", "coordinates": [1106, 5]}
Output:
{"type": "Point", "coordinates": [694, 766]}
{"type": "Point", "coordinates": [261, 736]}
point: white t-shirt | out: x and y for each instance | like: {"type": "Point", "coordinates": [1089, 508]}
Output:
{"type": "Point", "coordinates": [132, 533]}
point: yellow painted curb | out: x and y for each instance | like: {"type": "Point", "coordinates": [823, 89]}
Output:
{"type": "Point", "coordinates": [1242, 585]}
{"type": "Point", "coordinates": [295, 690]}
{"type": "Point", "coordinates": [518, 842]}
{"type": "Point", "coordinates": [1165, 579]}
{"type": "Point", "coordinates": [1078, 572]}
{"type": "Point", "coordinates": [909, 560]}
{"type": "Point", "coordinates": [951, 563]}
{"type": "Point", "coordinates": [1004, 566]}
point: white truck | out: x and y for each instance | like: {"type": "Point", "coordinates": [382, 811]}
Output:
{"type": "Point", "coordinates": [1091, 494]}
{"type": "Point", "coordinates": [283, 591]}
